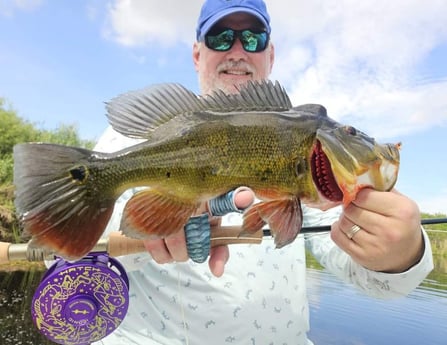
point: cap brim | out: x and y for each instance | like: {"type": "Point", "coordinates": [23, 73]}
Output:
{"type": "Point", "coordinates": [218, 16]}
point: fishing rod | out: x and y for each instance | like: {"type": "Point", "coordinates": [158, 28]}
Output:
{"type": "Point", "coordinates": [323, 228]}
{"type": "Point", "coordinates": [83, 301]}
{"type": "Point", "coordinates": [117, 244]}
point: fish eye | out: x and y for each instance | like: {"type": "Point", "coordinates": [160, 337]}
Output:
{"type": "Point", "coordinates": [350, 130]}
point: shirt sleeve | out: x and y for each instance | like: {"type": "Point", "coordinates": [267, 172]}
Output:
{"type": "Point", "coordinates": [376, 284]}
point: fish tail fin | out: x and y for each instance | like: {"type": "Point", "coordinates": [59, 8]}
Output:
{"type": "Point", "coordinates": [53, 200]}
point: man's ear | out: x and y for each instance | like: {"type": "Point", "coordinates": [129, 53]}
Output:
{"type": "Point", "coordinates": [272, 56]}
{"type": "Point", "coordinates": [196, 55]}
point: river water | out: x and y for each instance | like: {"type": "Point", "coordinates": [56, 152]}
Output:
{"type": "Point", "coordinates": [339, 314]}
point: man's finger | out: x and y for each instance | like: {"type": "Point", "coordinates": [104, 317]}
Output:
{"type": "Point", "coordinates": [234, 201]}
{"type": "Point", "coordinates": [218, 258]}
{"type": "Point", "coordinates": [243, 198]}
{"type": "Point", "coordinates": [158, 251]}
{"type": "Point", "coordinates": [176, 245]}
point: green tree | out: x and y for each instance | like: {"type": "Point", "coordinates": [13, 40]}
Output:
{"type": "Point", "coordinates": [14, 130]}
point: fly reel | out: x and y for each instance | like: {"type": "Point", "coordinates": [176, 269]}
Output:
{"type": "Point", "coordinates": [82, 302]}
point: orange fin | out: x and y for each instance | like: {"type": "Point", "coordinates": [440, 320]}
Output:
{"type": "Point", "coordinates": [284, 218]}
{"type": "Point", "coordinates": [150, 213]}
{"type": "Point", "coordinates": [70, 233]}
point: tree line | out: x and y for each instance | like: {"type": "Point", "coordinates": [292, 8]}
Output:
{"type": "Point", "coordinates": [14, 130]}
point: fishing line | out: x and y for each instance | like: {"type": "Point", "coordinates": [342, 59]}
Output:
{"type": "Point", "coordinates": [182, 309]}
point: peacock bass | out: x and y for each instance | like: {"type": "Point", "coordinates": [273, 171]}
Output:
{"type": "Point", "coordinates": [197, 148]}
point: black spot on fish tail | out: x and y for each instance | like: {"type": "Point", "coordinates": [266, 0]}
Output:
{"type": "Point", "coordinates": [79, 174]}
{"type": "Point", "coordinates": [322, 175]}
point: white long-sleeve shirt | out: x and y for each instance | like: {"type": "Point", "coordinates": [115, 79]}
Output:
{"type": "Point", "coordinates": [260, 299]}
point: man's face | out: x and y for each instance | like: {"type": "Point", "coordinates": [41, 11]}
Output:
{"type": "Point", "coordinates": [226, 70]}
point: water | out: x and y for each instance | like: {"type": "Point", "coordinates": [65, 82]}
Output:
{"type": "Point", "coordinates": [339, 314]}
{"type": "Point", "coordinates": [16, 291]}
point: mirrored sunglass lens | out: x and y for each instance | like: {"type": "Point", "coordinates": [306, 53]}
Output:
{"type": "Point", "coordinates": [253, 41]}
{"type": "Point", "coordinates": [222, 41]}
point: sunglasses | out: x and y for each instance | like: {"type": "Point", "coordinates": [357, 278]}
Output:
{"type": "Point", "coordinates": [221, 40]}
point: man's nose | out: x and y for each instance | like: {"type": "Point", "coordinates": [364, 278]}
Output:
{"type": "Point", "coordinates": [237, 50]}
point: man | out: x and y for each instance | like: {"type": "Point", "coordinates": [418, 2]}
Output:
{"type": "Point", "coordinates": [376, 243]}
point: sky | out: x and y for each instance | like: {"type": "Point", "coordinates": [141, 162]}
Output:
{"type": "Point", "coordinates": [378, 65]}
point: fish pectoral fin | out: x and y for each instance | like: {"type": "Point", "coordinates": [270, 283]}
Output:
{"type": "Point", "coordinates": [284, 218]}
{"type": "Point", "coordinates": [153, 214]}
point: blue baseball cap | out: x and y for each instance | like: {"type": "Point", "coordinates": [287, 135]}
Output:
{"type": "Point", "coordinates": [214, 10]}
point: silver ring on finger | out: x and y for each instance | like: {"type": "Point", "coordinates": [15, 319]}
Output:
{"type": "Point", "coordinates": [354, 229]}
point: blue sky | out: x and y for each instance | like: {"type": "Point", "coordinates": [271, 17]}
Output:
{"type": "Point", "coordinates": [378, 65]}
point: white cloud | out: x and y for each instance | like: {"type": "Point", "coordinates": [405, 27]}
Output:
{"type": "Point", "coordinates": [360, 59]}
{"type": "Point", "coordinates": [143, 22]}
{"type": "Point", "coordinates": [381, 111]}
{"type": "Point", "coordinates": [365, 58]}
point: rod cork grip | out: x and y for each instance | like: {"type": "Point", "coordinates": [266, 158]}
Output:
{"type": "Point", "coordinates": [4, 252]}
{"type": "Point", "coordinates": [231, 235]}
{"type": "Point", "coordinates": [118, 245]}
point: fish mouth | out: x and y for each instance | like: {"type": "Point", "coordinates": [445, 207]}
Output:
{"type": "Point", "coordinates": [323, 176]}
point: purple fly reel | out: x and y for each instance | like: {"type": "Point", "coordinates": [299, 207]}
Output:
{"type": "Point", "coordinates": [82, 302]}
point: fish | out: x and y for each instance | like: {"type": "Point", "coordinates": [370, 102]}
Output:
{"type": "Point", "coordinates": [196, 148]}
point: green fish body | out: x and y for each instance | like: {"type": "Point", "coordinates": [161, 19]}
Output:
{"type": "Point", "coordinates": [197, 148]}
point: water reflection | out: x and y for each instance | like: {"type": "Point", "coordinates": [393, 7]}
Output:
{"type": "Point", "coordinates": [16, 291]}
{"type": "Point", "coordinates": [342, 315]}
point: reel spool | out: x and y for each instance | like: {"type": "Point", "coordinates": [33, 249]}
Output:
{"type": "Point", "coordinates": [82, 302]}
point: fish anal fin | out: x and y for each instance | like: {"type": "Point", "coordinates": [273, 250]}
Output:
{"type": "Point", "coordinates": [152, 214]}
{"type": "Point", "coordinates": [283, 216]}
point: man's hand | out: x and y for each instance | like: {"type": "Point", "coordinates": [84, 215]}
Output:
{"type": "Point", "coordinates": [173, 248]}
{"type": "Point", "coordinates": [390, 239]}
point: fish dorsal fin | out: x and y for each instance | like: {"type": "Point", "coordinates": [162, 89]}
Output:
{"type": "Point", "coordinates": [138, 113]}
{"type": "Point", "coordinates": [311, 109]}
{"type": "Point", "coordinates": [253, 96]}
